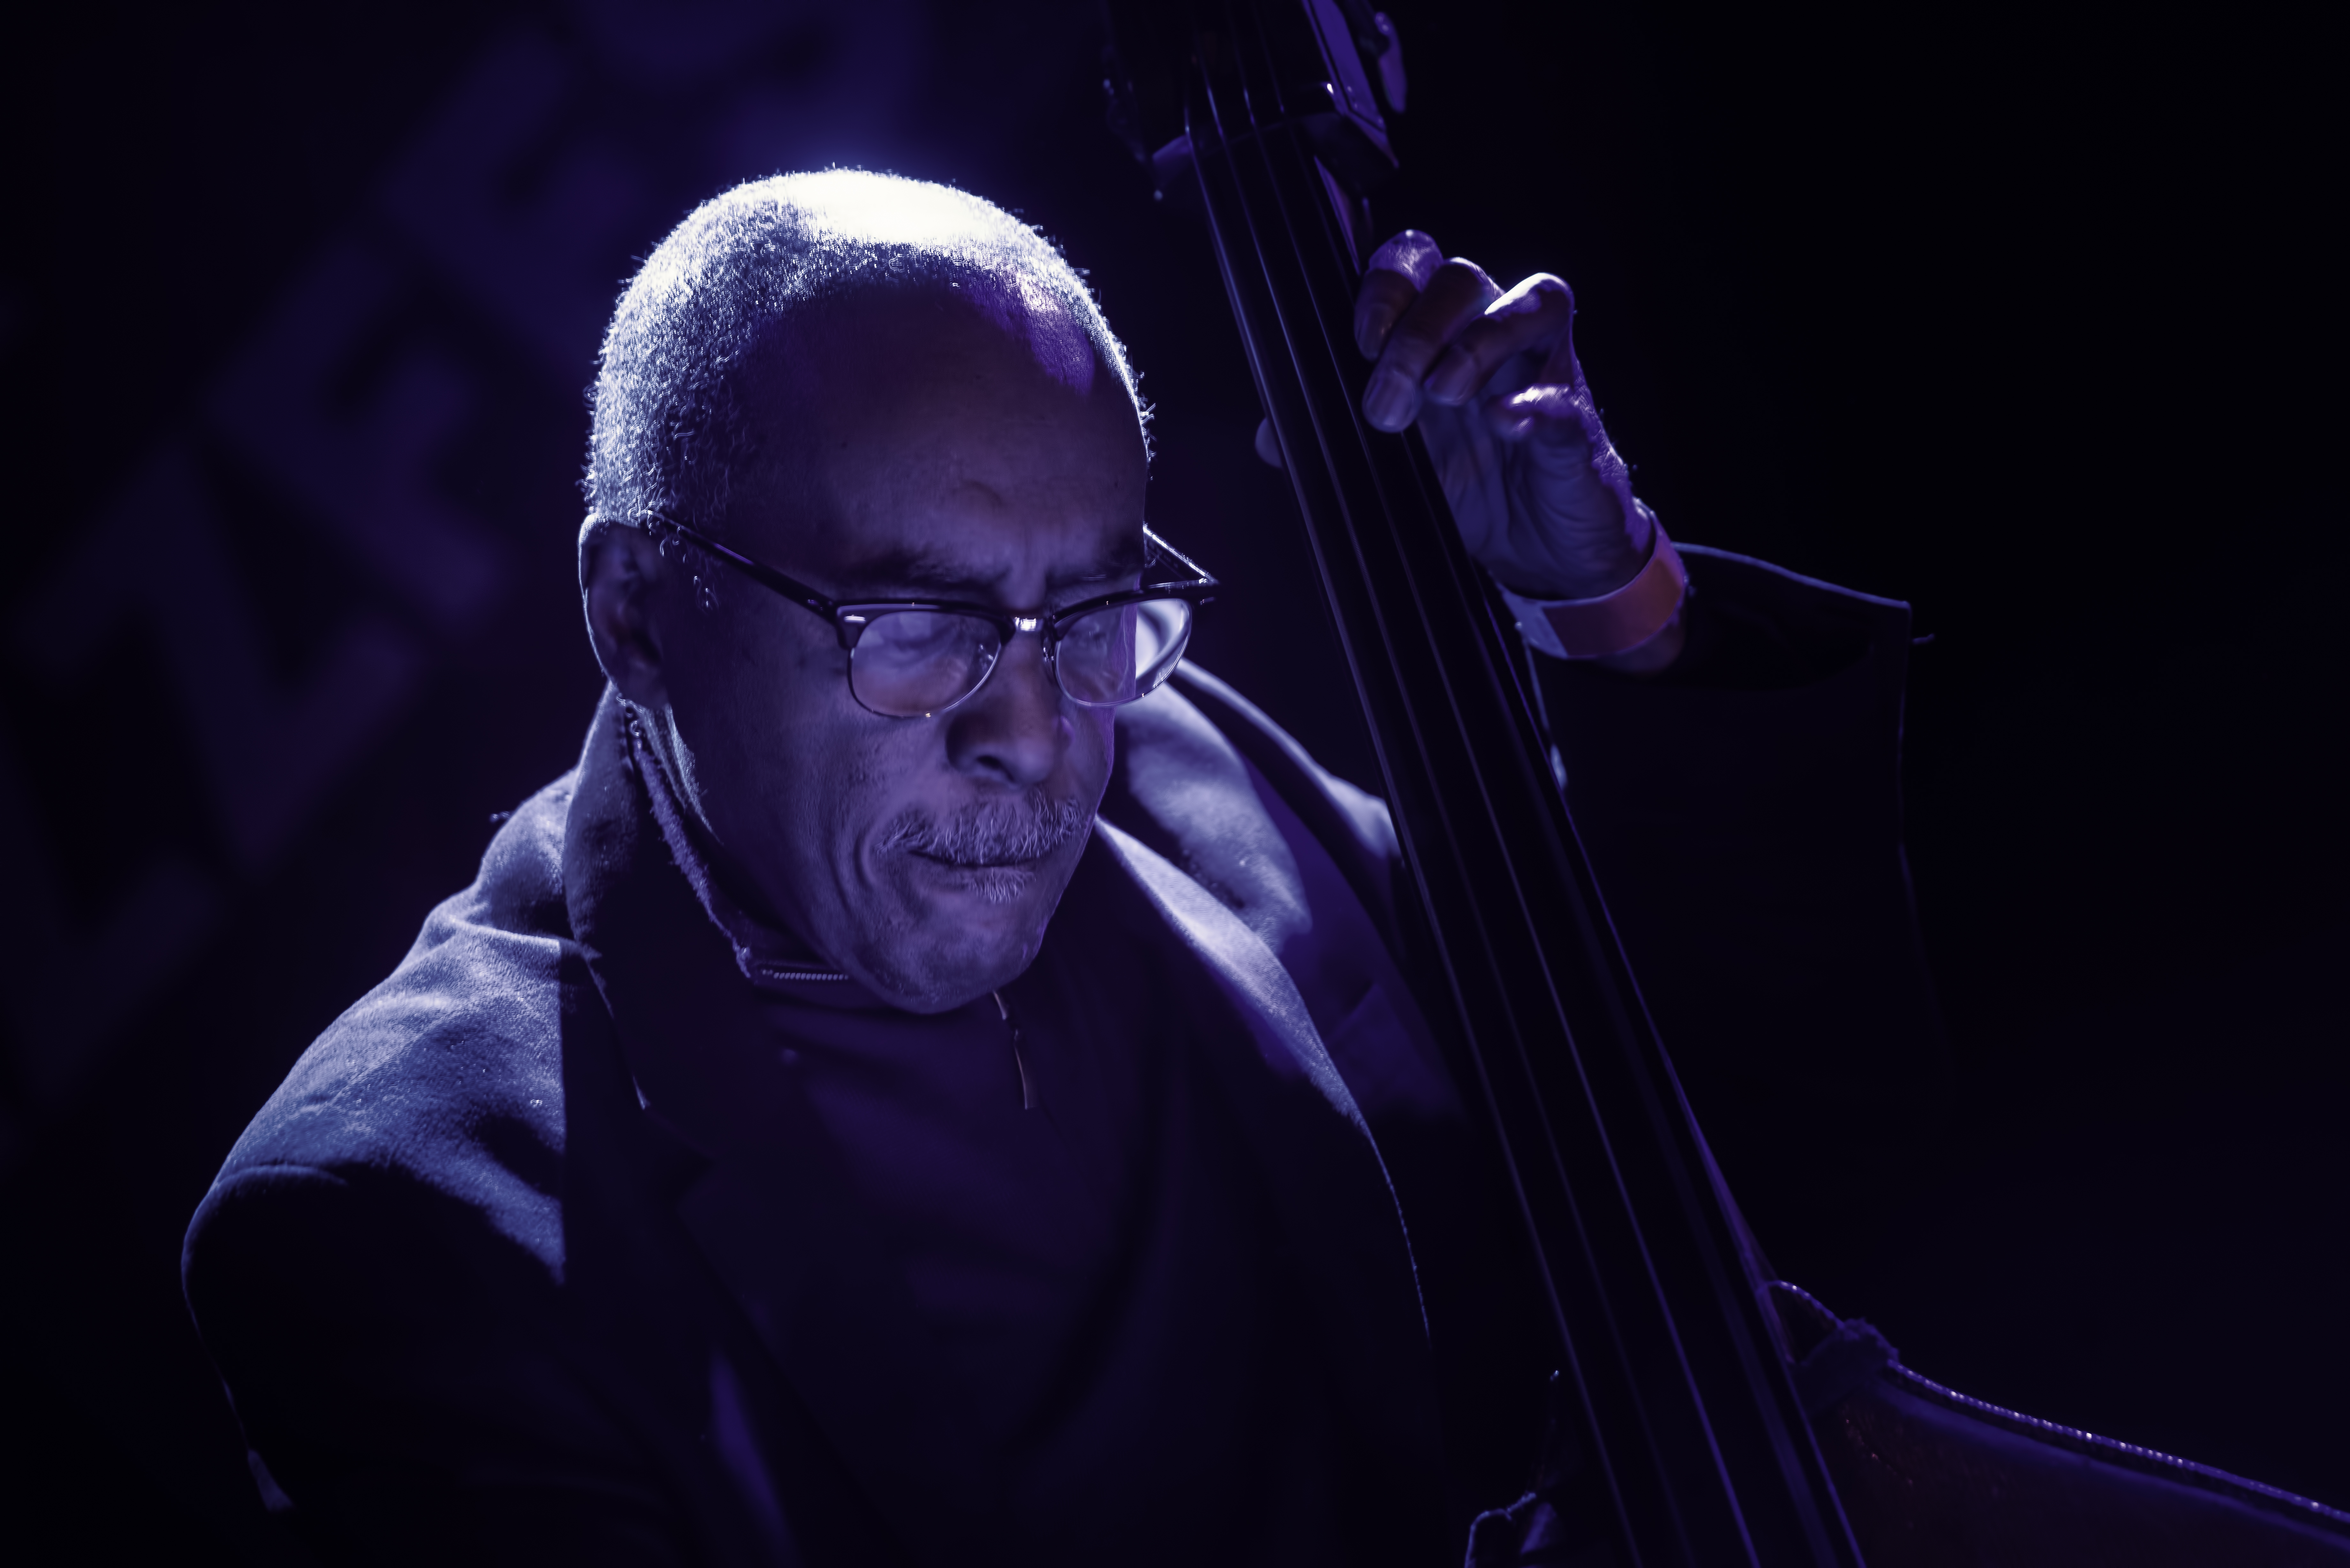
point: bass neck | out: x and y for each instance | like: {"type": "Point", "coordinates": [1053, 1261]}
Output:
{"type": "Point", "coordinates": [1266, 111]}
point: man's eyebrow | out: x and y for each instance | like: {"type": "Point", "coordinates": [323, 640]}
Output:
{"type": "Point", "coordinates": [1124, 559]}
{"type": "Point", "coordinates": [933, 573]}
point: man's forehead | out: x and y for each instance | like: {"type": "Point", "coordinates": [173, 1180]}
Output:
{"type": "Point", "coordinates": [891, 368]}
{"type": "Point", "coordinates": [915, 443]}
{"type": "Point", "coordinates": [895, 331]}
{"type": "Point", "coordinates": [1010, 558]}
{"type": "Point", "coordinates": [1026, 311]}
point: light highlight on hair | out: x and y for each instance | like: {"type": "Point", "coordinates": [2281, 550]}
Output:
{"type": "Point", "coordinates": [667, 433]}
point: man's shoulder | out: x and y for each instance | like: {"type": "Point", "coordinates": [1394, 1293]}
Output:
{"type": "Point", "coordinates": [1192, 750]}
{"type": "Point", "coordinates": [447, 1077]}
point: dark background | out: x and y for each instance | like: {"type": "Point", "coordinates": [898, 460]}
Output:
{"type": "Point", "coordinates": [2025, 320]}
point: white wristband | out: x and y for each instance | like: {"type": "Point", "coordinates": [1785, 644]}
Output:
{"type": "Point", "coordinates": [1612, 623]}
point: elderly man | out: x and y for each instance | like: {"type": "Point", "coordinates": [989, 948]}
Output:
{"type": "Point", "coordinates": [880, 1105]}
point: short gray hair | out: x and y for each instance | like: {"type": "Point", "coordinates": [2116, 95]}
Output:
{"type": "Point", "coordinates": [667, 433]}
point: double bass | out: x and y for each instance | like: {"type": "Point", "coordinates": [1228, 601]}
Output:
{"type": "Point", "coordinates": [1676, 1372]}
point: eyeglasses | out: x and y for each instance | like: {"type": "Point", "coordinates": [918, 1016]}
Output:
{"type": "Point", "coordinates": [915, 658]}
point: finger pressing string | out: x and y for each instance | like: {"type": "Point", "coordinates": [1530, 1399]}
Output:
{"type": "Point", "coordinates": [1537, 313]}
{"type": "Point", "coordinates": [1456, 295]}
{"type": "Point", "coordinates": [1392, 279]}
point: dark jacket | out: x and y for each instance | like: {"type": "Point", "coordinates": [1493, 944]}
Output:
{"type": "Point", "coordinates": [532, 1256]}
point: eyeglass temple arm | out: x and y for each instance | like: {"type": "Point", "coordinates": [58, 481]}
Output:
{"type": "Point", "coordinates": [1197, 570]}
{"type": "Point", "coordinates": [792, 588]}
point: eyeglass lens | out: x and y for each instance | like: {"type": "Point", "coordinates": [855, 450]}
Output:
{"type": "Point", "coordinates": [911, 663]}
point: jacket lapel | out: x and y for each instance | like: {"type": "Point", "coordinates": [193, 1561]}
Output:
{"type": "Point", "coordinates": [1328, 1185]}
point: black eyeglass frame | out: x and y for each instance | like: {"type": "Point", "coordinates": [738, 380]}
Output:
{"type": "Point", "coordinates": [850, 617]}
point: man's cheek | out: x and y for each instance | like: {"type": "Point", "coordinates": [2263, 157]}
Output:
{"type": "Point", "coordinates": [874, 771]}
{"type": "Point", "coordinates": [1096, 753]}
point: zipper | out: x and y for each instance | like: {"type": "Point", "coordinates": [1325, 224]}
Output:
{"type": "Point", "coordinates": [1027, 1084]}
{"type": "Point", "coordinates": [782, 973]}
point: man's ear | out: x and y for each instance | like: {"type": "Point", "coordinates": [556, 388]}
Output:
{"type": "Point", "coordinates": [619, 569]}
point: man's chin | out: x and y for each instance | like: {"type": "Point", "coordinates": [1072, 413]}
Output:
{"type": "Point", "coordinates": [941, 979]}
{"type": "Point", "coordinates": [963, 931]}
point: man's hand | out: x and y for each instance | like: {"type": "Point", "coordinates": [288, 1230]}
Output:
{"type": "Point", "coordinates": [1491, 377]}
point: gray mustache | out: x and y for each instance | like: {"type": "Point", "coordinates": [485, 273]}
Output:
{"type": "Point", "coordinates": [992, 836]}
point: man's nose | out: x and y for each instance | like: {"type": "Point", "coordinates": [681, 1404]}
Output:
{"type": "Point", "coordinates": [1013, 729]}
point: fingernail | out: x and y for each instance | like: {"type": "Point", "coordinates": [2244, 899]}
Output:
{"type": "Point", "coordinates": [1371, 331]}
{"type": "Point", "coordinates": [1388, 403]}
